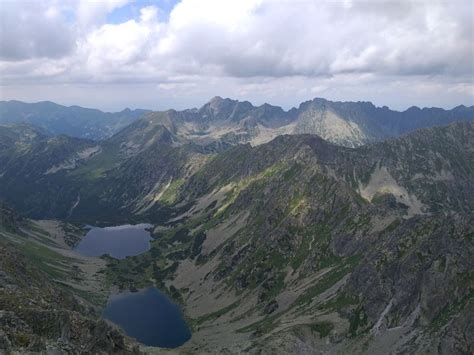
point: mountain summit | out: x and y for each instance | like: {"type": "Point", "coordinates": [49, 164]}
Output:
{"type": "Point", "coordinates": [231, 121]}
{"type": "Point", "coordinates": [270, 238]}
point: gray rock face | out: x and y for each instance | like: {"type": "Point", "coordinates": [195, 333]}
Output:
{"type": "Point", "coordinates": [418, 272]}
{"type": "Point", "coordinates": [294, 244]}
{"type": "Point", "coordinates": [400, 278]}
{"type": "Point", "coordinates": [346, 123]}
{"type": "Point", "coordinates": [37, 315]}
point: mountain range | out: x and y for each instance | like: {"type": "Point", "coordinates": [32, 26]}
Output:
{"type": "Point", "coordinates": [346, 123]}
{"type": "Point", "coordinates": [75, 121]}
{"type": "Point", "coordinates": [330, 228]}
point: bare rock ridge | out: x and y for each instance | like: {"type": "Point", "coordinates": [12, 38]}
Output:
{"type": "Point", "coordinates": [294, 245]}
{"type": "Point", "coordinates": [346, 123]}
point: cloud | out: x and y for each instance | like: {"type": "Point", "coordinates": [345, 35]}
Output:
{"type": "Point", "coordinates": [33, 30]}
{"type": "Point", "coordinates": [92, 13]}
{"type": "Point", "coordinates": [246, 44]}
{"type": "Point", "coordinates": [257, 38]}
{"type": "Point", "coordinates": [284, 38]}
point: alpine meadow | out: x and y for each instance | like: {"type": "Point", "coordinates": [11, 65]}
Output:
{"type": "Point", "coordinates": [237, 177]}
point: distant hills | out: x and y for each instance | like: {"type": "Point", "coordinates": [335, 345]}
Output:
{"type": "Point", "coordinates": [230, 121]}
{"type": "Point", "coordinates": [74, 121]}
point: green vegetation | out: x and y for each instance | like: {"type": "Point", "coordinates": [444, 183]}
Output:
{"type": "Point", "coordinates": [328, 280]}
{"type": "Point", "coordinates": [452, 309]}
{"type": "Point", "coordinates": [262, 326]}
{"type": "Point", "coordinates": [214, 315]}
{"type": "Point", "coordinates": [303, 215]}
{"type": "Point", "coordinates": [96, 298]}
{"type": "Point", "coordinates": [339, 302]}
{"type": "Point", "coordinates": [323, 328]}
{"type": "Point", "coordinates": [21, 339]}
{"type": "Point", "coordinates": [175, 294]}
{"type": "Point", "coordinates": [392, 226]}
{"type": "Point", "coordinates": [171, 193]}
{"type": "Point", "coordinates": [254, 182]}
{"type": "Point", "coordinates": [97, 167]}
{"type": "Point", "coordinates": [54, 264]}
{"type": "Point", "coordinates": [357, 320]}
{"type": "Point", "coordinates": [314, 238]}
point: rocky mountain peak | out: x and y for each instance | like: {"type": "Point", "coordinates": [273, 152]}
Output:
{"type": "Point", "coordinates": [225, 109]}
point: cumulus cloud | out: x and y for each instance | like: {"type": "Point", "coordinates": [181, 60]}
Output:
{"type": "Point", "coordinates": [316, 45]}
{"type": "Point", "coordinates": [32, 30]}
{"type": "Point", "coordinates": [91, 13]}
{"type": "Point", "coordinates": [270, 38]}
{"type": "Point", "coordinates": [267, 38]}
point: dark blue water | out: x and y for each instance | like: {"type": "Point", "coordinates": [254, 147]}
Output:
{"type": "Point", "coordinates": [148, 316]}
{"type": "Point", "coordinates": [119, 242]}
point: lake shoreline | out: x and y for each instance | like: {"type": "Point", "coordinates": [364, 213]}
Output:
{"type": "Point", "coordinates": [118, 242]}
{"type": "Point", "coordinates": [149, 316]}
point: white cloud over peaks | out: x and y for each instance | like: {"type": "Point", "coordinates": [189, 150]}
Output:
{"type": "Point", "coordinates": [280, 38]}
{"type": "Point", "coordinates": [248, 44]}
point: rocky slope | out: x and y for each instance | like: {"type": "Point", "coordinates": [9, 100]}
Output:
{"type": "Point", "coordinates": [296, 245]}
{"type": "Point", "coordinates": [39, 312]}
{"type": "Point", "coordinates": [33, 166]}
{"type": "Point", "coordinates": [283, 249]}
{"type": "Point", "coordinates": [230, 121]}
{"type": "Point", "coordinates": [65, 177]}
{"type": "Point", "coordinates": [345, 123]}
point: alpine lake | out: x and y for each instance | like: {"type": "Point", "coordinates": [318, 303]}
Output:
{"type": "Point", "coordinates": [148, 315]}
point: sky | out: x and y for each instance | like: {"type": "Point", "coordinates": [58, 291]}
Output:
{"type": "Point", "coordinates": [163, 54]}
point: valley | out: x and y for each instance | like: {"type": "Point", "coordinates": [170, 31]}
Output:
{"type": "Point", "coordinates": [297, 244]}
{"type": "Point", "coordinates": [50, 296]}
{"type": "Point", "coordinates": [258, 177]}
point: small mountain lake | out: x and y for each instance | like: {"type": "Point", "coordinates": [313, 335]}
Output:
{"type": "Point", "coordinates": [148, 316]}
{"type": "Point", "coordinates": [118, 241]}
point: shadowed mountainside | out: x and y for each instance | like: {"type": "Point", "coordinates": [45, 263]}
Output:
{"type": "Point", "coordinates": [74, 121]}
{"type": "Point", "coordinates": [296, 245]}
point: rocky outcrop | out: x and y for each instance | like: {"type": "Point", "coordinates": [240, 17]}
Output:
{"type": "Point", "coordinates": [38, 314]}
{"type": "Point", "coordinates": [298, 240]}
